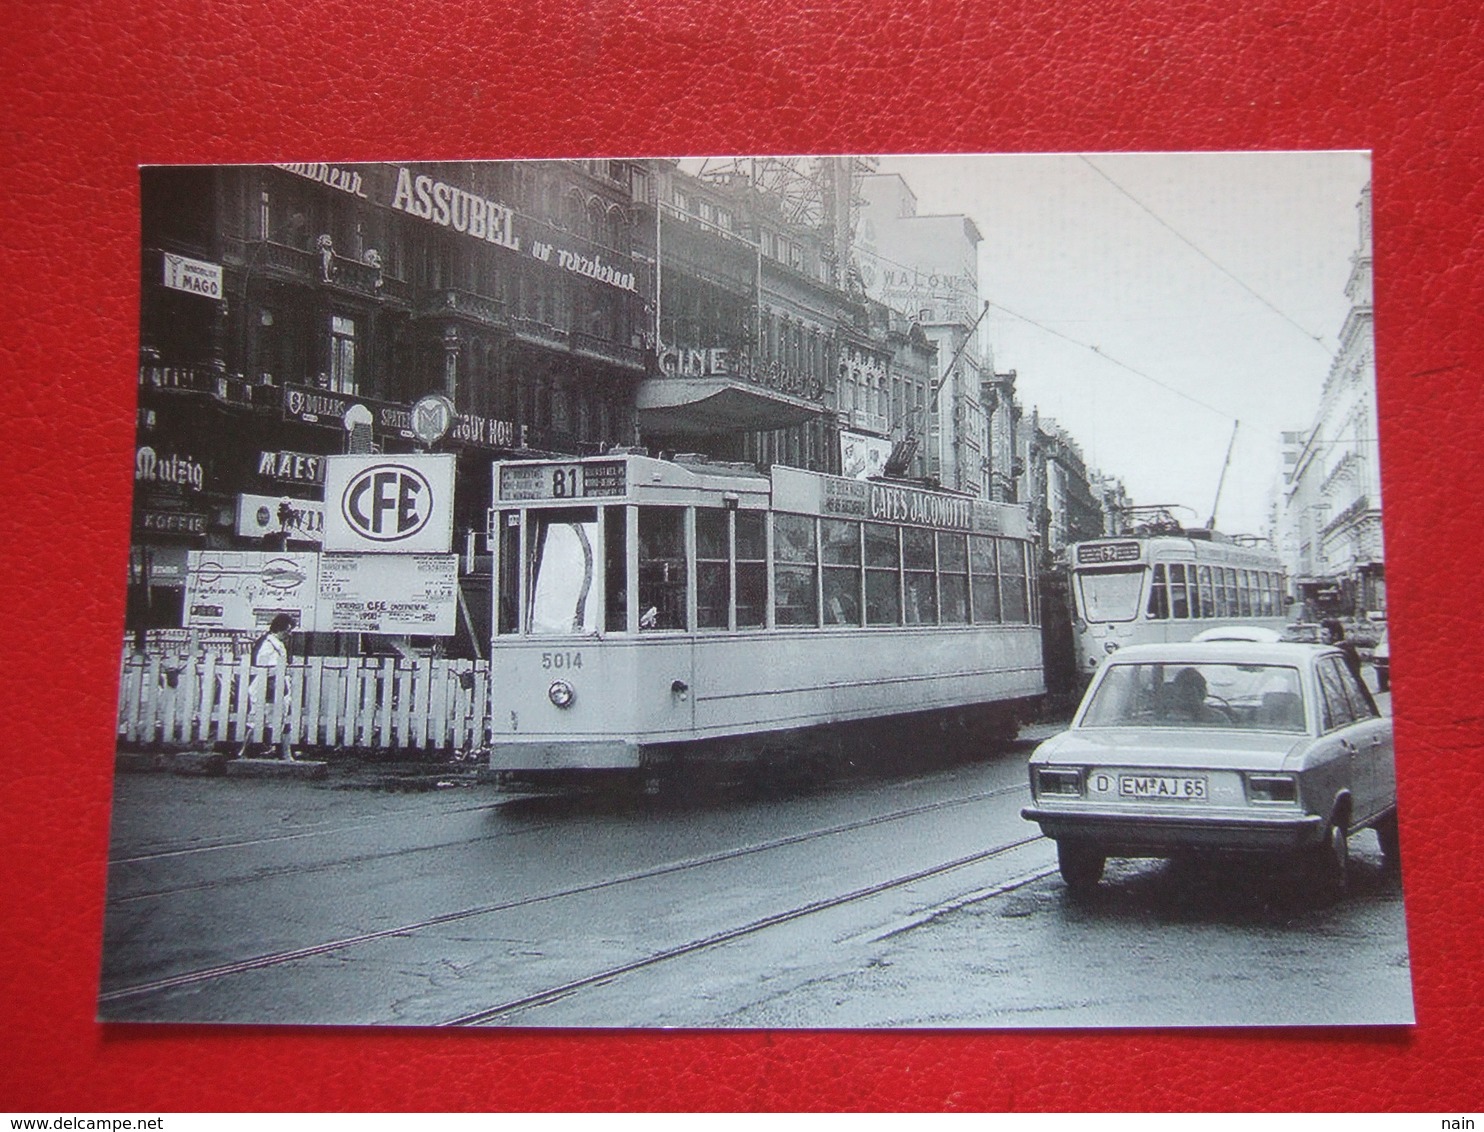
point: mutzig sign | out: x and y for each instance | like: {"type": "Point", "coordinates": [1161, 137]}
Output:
{"type": "Point", "coordinates": [389, 504]}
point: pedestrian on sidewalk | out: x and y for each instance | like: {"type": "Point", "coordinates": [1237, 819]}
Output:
{"type": "Point", "coordinates": [270, 663]}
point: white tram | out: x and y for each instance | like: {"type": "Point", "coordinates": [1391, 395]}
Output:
{"type": "Point", "coordinates": [650, 612]}
{"type": "Point", "coordinates": [1169, 587]}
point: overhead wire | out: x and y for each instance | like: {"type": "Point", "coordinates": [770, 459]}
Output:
{"type": "Point", "coordinates": [1317, 339]}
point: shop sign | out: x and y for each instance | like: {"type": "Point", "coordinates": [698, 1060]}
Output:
{"type": "Point", "coordinates": [389, 504]}
{"type": "Point", "coordinates": [194, 276]}
{"type": "Point", "coordinates": [588, 266]}
{"type": "Point", "coordinates": [299, 519]}
{"type": "Point", "coordinates": [291, 467]}
{"type": "Point", "coordinates": [386, 593]}
{"type": "Point", "coordinates": [452, 207]}
{"type": "Point", "coordinates": [171, 469]}
{"type": "Point", "coordinates": [173, 522]}
{"type": "Point", "coordinates": [346, 180]}
{"type": "Point", "coordinates": [158, 565]}
{"type": "Point", "coordinates": [321, 407]}
{"type": "Point", "coordinates": [244, 589]}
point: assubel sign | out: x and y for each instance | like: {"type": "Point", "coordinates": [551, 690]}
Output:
{"type": "Point", "coordinates": [389, 504]}
{"type": "Point", "coordinates": [456, 208]}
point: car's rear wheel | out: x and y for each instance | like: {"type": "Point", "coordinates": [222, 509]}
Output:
{"type": "Point", "coordinates": [1328, 863]}
{"type": "Point", "coordinates": [1390, 838]}
{"type": "Point", "coordinates": [1081, 865]}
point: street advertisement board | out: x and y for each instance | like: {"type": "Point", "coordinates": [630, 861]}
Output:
{"type": "Point", "coordinates": [244, 589]}
{"type": "Point", "coordinates": [302, 520]}
{"type": "Point", "coordinates": [388, 593]}
{"type": "Point", "coordinates": [389, 504]}
{"type": "Point", "coordinates": [862, 456]}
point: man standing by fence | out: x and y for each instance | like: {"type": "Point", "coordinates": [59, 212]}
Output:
{"type": "Point", "coordinates": [268, 688]}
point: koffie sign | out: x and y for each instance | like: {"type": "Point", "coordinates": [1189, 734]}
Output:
{"type": "Point", "coordinates": [389, 504]}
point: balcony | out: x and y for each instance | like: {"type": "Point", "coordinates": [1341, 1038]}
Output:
{"type": "Point", "coordinates": [606, 350]}
{"type": "Point", "coordinates": [541, 333]}
{"type": "Point", "coordinates": [189, 379]}
{"type": "Point", "coordinates": [456, 302]}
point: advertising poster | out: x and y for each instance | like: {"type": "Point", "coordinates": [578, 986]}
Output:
{"type": "Point", "coordinates": [244, 589]}
{"type": "Point", "coordinates": [302, 520]}
{"type": "Point", "coordinates": [388, 593]}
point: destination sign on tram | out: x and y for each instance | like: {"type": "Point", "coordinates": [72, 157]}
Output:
{"type": "Point", "coordinates": [519, 482]}
{"type": "Point", "coordinates": [1106, 552]}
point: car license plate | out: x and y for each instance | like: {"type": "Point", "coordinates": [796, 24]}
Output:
{"type": "Point", "coordinates": [1173, 787]}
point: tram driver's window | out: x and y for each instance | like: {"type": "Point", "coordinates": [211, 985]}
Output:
{"type": "Point", "coordinates": [883, 576]}
{"type": "Point", "coordinates": [982, 564]}
{"type": "Point", "coordinates": [661, 568]}
{"type": "Point", "coordinates": [953, 578]}
{"type": "Point", "coordinates": [713, 572]}
{"type": "Point", "coordinates": [1159, 596]}
{"type": "Point", "coordinates": [840, 547]}
{"type": "Point", "coordinates": [919, 561]}
{"type": "Point", "coordinates": [564, 571]}
{"type": "Point", "coordinates": [615, 568]}
{"type": "Point", "coordinates": [794, 566]}
{"type": "Point", "coordinates": [752, 570]}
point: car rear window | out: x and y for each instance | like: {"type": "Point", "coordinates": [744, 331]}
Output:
{"type": "Point", "coordinates": [1247, 697]}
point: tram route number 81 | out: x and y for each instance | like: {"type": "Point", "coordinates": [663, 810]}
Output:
{"type": "Point", "coordinates": [566, 483]}
{"type": "Point", "coordinates": [561, 660]}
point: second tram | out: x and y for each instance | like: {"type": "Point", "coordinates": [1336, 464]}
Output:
{"type": "Point", "coordinates": [650, 612]}
{"type": "Point", "coordinates": [1169, 587]}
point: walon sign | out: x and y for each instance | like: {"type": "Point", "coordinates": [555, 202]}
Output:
{"type": "Point", "coordinates": [389, 504]}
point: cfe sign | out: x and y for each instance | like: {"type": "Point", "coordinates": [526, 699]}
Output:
{"type": "Point", "coordinates": [389, 504]}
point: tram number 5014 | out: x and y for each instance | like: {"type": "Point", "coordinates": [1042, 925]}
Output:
{"type": "Point", "coordinates": [561, 660]}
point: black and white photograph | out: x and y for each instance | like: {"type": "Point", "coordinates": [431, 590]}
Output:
{"type": "Point", "coordinates": [831, 592]}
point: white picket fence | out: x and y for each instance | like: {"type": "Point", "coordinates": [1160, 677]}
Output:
{"type": "Point", "coordinates": [355, 702]}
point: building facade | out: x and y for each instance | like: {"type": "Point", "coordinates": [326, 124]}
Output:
{"type": "Point", "coordinates": [1331, 515]}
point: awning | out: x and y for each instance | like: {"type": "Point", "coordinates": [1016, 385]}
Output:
{"type": "Point", "coordinates": [712, 405]}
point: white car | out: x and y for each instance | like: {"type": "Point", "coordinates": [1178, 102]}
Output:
{"type": "Point", "coordinates": [1218, 745]}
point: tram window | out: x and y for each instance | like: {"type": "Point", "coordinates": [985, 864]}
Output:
{"type": "Point", "coordinates": [953, 578]}
{"type": "Point", "coordinates": [883, 575]}
{"type": "Point", "coordinates": [1244, 593]}
{"type": "Point", "coordinates": [1207, 597]}
{"type": "Point", "coordinates": [562, 572]}
{"type": "Point", "coordinates": [794, 566]}
{"type": "Point", "coordinates": [1159, 596]}
{"type": "Point", "coordinates": [752, 570]}
{"type": "Point", "coordinates": [1229, 592]}
{"type": "Point", "coordinates": [1179, 602]}
{"type": "Point", "coordinates": [509, 588]}
{"type": "Point", "coordinates": [616, 568]}
{"type": "Point", "coordinates": [1012, 583]}
{"type": "Point", "coordinates": [920, 586]}
{"type": "Point", "coordinates": [662, 590]}
{"type": "Point", "coordinates": [987, 580]}
{"type": "Point", "coordinates": [713, 569]}
{"type": "Point", "coordinates": [840, 551]}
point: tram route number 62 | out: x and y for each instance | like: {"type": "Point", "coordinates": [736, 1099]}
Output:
{"type": "Point", "coordinates": [561, 660]}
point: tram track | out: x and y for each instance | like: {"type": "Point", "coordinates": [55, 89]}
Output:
{"type": "Point", "coordinates": [291, 955]}
{"type": "Point", "coordinates": [564, 990]}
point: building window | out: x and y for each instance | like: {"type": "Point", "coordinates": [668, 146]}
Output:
{"type": "Point", "coordinates": [342, 354]}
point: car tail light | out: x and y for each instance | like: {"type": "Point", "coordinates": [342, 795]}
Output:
{"type": "Point", "coordinates": [1272, 788]}
{"type": "Point", "coordinates": [1053, 780]}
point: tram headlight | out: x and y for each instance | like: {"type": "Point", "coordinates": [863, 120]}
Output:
{"type": "Point", "coordinates": [1110, 647]}
{"type": "Point", "coordinates": [561, 694]}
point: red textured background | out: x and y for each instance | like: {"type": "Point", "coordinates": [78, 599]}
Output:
{"type": "Point", "coordinates": [91, 89]}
